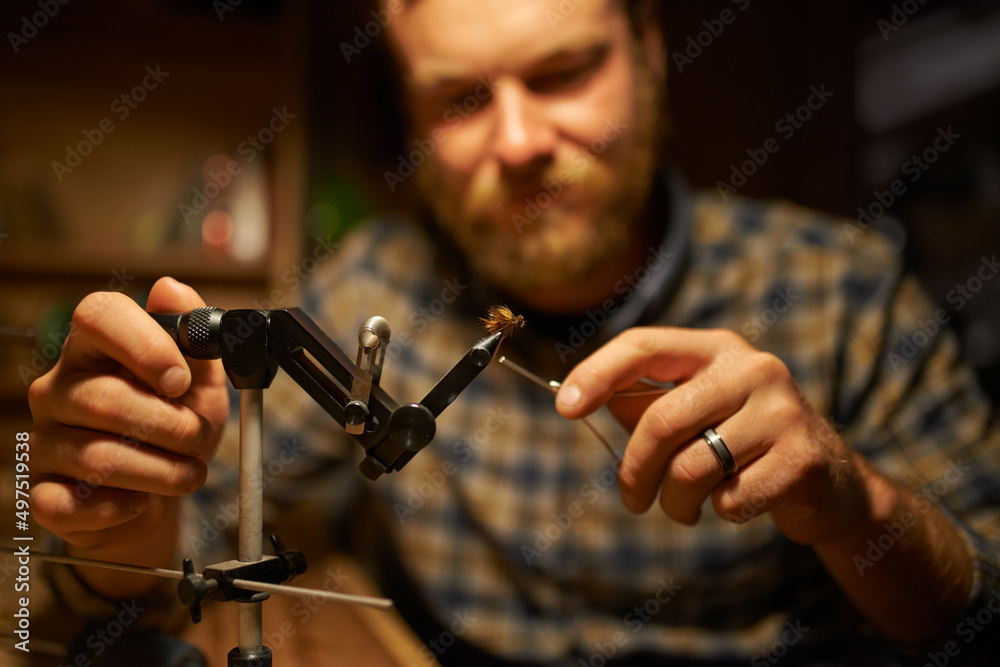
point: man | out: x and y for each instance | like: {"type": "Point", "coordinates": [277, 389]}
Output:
{"type": "Point", "coordinates": [776, 534]}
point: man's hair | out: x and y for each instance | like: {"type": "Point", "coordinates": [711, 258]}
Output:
{"type": "Point", "coordinates": [639, 12]}
{"type": "Point", "coordinates": [642, 12]}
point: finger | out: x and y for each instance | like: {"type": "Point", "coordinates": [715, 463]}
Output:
{"type": "Point", "coordinates": [756, 490]}
{"type": "Point", "coordinates": [69, 506]}
{"type": "Point", "coordinates": [757, 436]}
{"type": "Point", "coordinates": [167, 295]}
{"type": "Point", "coordinates": [100, 459]}
{"type": "Point", "coordinates": [662, 354]}
{"type": "Point", "coordinates": [110, 326]}
{"type": "Point", "coordinates": [670, 423]}
{"type": "Point", "coordinates": [694, 471]}
{"type": "Point", "coordinates": [628, 410]}
{"type": "Point", "coordinates": [113, 404]}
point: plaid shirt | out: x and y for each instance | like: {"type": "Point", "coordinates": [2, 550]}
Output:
{"type": "Point", "coordinates": [510, 521]}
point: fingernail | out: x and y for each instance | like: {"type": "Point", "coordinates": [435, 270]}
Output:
{"type": "Point", "coordinates": [136, 502]}
{"type": "Point", "coordinates": [200, 445]}
{"type": "Point", "coordinates": [570, 395]}
{"type": "Point", "coordinates": [172, 380]}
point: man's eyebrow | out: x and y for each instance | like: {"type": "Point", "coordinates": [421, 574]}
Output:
{"type": "Point", "coordinates": [445, 74]}
{"type": "Point", "coordinates": [582, 51]}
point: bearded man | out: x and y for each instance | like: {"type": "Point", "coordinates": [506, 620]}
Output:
{"type": "Point", "coordinates": [816, 499]}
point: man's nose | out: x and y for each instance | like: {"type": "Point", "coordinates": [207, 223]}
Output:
{"type": "Point", "coordinates": [523, 133]}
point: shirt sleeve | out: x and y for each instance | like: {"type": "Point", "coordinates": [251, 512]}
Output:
{"type": "Point", "coordinates": [916, 410]}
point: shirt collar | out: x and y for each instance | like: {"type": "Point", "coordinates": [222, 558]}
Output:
{"type": "Point", "coordinates": [656, 286]}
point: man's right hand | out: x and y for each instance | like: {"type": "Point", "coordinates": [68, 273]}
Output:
{"type": "Point", "coordinates": [124, 425]}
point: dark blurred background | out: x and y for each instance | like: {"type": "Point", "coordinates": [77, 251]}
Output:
{"type": "Point", "coordinates": [221, 142]}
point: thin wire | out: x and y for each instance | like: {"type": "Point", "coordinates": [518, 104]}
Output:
{"type": "Point", "coordinates": [243, 584]}
{"type": "Point", "coordinates": [314, 594]}
{"type": "Point", "coordinates": [528, 374]}
{"type": "Point", "coordinates": [86, 562]}
{"type": "Point", "coordinates": [553, 388]}
{"type": "Point", "coordinates": [554, 385]}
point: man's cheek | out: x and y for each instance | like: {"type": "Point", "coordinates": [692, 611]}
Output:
{"type": "Point", "coordinates": [460, 148]}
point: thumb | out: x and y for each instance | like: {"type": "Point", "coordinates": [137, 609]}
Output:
{"type": "Point", "coordinates": [206, 392]}
{"type": "Point", "coordinates": [169, 295]}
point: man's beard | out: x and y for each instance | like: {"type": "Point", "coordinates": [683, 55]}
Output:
{"type": "Point", "coordinates": [581, 214]}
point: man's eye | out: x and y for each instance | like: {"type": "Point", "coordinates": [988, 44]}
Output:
{"type": "Point", "coordinates": [562, 81]}
{"type": "Point", "coordinates": [466, 101]}
{"type": "Point", "coordinates": [570, 75]}
{"type": "Point", "coordinates": [470, 99]}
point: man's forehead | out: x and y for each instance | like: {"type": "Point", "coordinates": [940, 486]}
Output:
{"type": "Point", "coordinates": [451, 39]}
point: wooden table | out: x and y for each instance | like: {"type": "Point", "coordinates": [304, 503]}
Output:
{"type": "Point", "coordinates": [304, 632]}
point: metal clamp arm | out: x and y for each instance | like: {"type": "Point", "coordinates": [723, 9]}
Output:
{"type": "Point", "coordinates": [253, 343]}
{"type": "Point", "coordinates": [323, 370]}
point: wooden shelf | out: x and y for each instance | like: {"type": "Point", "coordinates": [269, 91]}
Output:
{"type": "Point", "coordinates": [34, 260]}
{"type": "Point", "coordinates": [118, 217]}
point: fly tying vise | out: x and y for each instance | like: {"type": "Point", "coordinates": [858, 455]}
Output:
{"type": "Point", "coordinates": [252, 345]}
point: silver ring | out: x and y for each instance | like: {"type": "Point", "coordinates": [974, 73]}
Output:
{"type": "Point", "coordinates": [729, 467]}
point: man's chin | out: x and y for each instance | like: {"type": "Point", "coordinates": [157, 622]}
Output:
{"type": "Point", "coordinates": [524, 273]}
{"type": "Point", "coordinates": [540, 226]}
